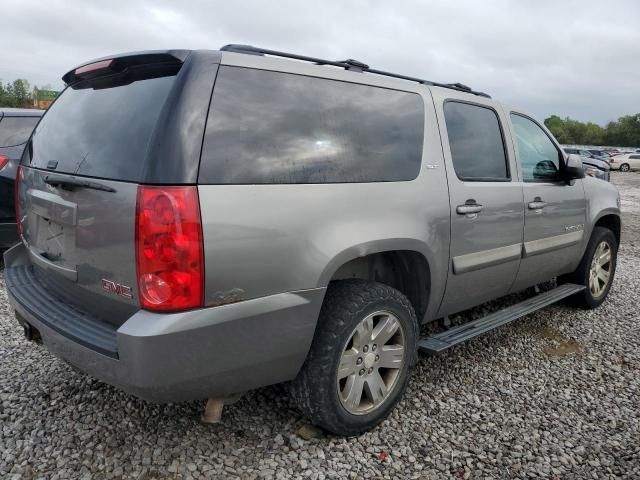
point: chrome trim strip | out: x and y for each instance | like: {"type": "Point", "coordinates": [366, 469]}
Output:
{"type": "Point", "coordinates": [486, 258]}
{"type": "Point", "coordinates": [543, 245]}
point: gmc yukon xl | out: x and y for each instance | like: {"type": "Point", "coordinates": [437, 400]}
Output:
{"type": "Point", "coordinates": [196, 224]}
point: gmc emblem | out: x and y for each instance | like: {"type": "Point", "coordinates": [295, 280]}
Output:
{"type": "Point", "coordinates": [113, 287]}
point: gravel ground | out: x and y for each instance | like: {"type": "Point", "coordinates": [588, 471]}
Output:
{"type": "Point", "coordinates": [556, 395]}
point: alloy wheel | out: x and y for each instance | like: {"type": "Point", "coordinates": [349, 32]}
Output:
{"type": "Point", "coordinates": [371, 362]}
{"type": "Point", "coordinates": [600, 270]}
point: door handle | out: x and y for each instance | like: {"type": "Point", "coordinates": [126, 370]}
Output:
{"type": "Point", "coordinates": [469, 208]}
{"type": "Point", "coordinates": [537, 204]}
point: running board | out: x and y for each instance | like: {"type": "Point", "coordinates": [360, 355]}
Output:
{"type": "Point", "coordinates": [453, 336]}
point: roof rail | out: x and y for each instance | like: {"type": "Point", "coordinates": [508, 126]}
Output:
{"type": "Point", "coordinates": [350, 64]}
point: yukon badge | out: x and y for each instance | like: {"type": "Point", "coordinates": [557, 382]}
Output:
{"type": "Point", "coordinates": [113, 287]}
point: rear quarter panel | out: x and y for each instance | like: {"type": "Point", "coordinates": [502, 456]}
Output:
{"type": "Point", "coordinates": [267, 239]}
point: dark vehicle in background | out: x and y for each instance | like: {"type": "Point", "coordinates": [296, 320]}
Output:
{"type": "Point", "coordinates": [16, 125]}
{"type": "Point", "coordinates": [594, 166]}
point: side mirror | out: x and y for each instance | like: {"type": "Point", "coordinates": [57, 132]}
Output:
{"type": "Point", "coordinates": [573, 167]}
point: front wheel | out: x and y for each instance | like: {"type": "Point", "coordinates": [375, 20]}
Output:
{"type": "Point", "coordinates": [360, 359]}
{"type": "Point", "coordinates": [597, 268]}
{"type": "Point", "coordinates": [625, 167]}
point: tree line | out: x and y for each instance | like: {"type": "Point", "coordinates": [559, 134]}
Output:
{"type": "Point", "coordinates": [16, 94]}
{"type": "Point", "coordinates": [624, 132]}
{"type": "Point", "coordinates": [19, 94]}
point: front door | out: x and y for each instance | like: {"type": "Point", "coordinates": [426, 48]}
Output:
{"type": "Point", "coordinates": [555, 210]}
{"type": "Point", "coordinates": [486, 204]}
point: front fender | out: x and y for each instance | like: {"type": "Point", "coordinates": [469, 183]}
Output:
{"type": "Point", "coordinates": [603, 198]}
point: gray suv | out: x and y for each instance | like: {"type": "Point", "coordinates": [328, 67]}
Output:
{"type": "Point", "coordinates": [196, 224]}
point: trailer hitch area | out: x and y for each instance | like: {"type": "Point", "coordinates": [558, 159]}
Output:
{"type": "Point", "coordinates": [31, 333]}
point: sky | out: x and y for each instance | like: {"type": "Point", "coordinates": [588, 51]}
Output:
{"type": "Point", "coordinates": [571, 58]}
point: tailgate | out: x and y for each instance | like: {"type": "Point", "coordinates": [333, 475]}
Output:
{"type": "Point", "coordinates": [80, 174]}
{"type": "Point", "coordinates": [81, 242]}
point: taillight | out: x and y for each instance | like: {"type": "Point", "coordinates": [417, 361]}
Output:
{"type": "Point", "coordinates": [93, 67]}
{"type": "Point", "coordinates": [3, 161]}
{"type": "Point", "coordinates": [16, 199]}
{"type": "Point", "coordinates": [169, 250]}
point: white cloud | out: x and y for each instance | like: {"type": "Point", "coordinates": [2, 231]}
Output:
{"type": "Point", "coordinates": [576, 58]}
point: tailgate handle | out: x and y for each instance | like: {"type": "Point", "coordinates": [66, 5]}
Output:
{"type": "Point", "coordinates": [42, 262]}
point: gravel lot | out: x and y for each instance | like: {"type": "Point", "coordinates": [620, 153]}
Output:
{"type": "Point", "coordinates": [555, 395]}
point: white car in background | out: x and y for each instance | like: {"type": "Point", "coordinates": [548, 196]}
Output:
{"type": "Point", "coordinates": [626, 162]}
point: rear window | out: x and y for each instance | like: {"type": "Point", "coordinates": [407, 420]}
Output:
{"type": "Point", "coordinates": [16, 130]}
{"type": "Point", "coordinates": [268, 127]}
{"type": "Point", "coordinates": [101, 130]}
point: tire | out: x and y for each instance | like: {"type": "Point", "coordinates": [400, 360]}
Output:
{"type": "Point", "coordinates": [319, 392]}
{"type": "Point", "coordinates": [590, 297]}
{"type": "Point", "coordinates": [625, 167]}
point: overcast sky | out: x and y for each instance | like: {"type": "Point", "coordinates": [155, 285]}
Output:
{"type": "Point", "coordinates": [571, 58]}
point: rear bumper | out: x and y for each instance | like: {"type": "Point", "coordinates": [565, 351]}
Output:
{"type": "Point", "coordinates": [211, 352]}
{"type": "Point", "coordinates": [8, 235]}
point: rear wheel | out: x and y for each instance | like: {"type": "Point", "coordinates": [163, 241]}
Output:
{"type": "Point", "coordinates": [624, 167]}
{"type": "Point", "coordinates": [597, 268]}
{"type": "Point", "coordinates": [359, 363]}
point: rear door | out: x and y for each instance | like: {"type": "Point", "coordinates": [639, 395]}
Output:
{"type": "Point", "coordinates": [485, 199]}
{"type": "Point", "coordinates": [79, 182]}
{"type": "Point", "coordinates": [555, 210]}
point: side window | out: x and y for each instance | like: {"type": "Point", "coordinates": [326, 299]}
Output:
{"type": "Point", "coordinates": [269, 127]}
{"type": "Point", "coordinates": [634, 157]}
{"type": "Point", "coordinates": [476, 142]}
{"type": "Point", "coordinates": [538, 156]}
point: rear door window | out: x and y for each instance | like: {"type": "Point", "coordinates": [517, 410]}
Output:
{"type": "Point", "coordinates": [476, 142]}
{"type": "Point", "coordinates": [16, 130]}
{"type": "Point", "coordinates": [102, 130]}
{"type": "Point", "coordinates": [269, 127]}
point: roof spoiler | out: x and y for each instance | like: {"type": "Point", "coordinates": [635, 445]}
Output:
{"type": "Point", "coordinates": [119, 63]}
{"type": "Point", "coordinates": [349, 64]}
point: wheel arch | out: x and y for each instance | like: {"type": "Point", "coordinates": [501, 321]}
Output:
{"type": "Point", "coordinates": [402, 264]}
{"type": "Point", "coordinates": [610, 220]}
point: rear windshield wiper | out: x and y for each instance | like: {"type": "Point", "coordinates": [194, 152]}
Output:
{"type": "Point", "coordinates": [72, 182]}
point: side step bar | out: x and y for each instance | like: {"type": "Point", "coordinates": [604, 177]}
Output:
{"type": "Point", "coordinates": [441, 341]}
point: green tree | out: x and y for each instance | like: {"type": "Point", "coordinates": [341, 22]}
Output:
{"type": "Point", "coordinates": [556, 126]}
{"type": "Point", "coordinates": [21, 92]}
{"type": "Point", "coordinates": [7, 97]}
{"type": "Point", "coordinates": [624, 132]}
